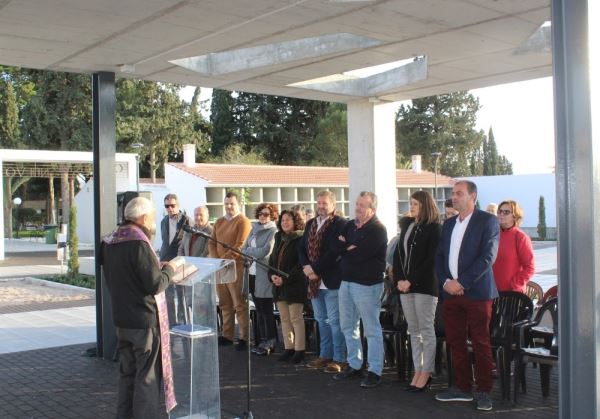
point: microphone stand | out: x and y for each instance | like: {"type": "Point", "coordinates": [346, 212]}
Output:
{"type": "Point", "coordinates": [248, 260]}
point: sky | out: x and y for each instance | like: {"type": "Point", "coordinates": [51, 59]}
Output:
{"type": "Point", "coordinates": [520, 114]}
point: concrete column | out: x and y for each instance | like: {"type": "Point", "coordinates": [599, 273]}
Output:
{"type": "Point", "coordinates": [372, 157]}
{"type": "Point", "coordinates": [575, 59]}
{"type": "Point", "coordinates": [2, 212]}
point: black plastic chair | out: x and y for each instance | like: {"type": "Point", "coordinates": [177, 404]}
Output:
{"type": "Point", "coordinates": [546, 356]}
{"type": "Point", "coordinates": [508, 311]}
{"type": "Point", "coordinates": [395, 331]}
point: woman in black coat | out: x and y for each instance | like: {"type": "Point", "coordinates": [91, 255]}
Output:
{"type": "Point", "coordinates": [289, 293]}
{"type": "Point", "coordinates": [413, 269]}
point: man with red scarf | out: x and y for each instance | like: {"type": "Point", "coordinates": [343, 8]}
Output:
{"type": "Point", "coordinates": [136, 285]}
{"type": "Point", "coordinates": [320, 262]}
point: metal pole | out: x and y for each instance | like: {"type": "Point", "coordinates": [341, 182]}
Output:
{"type": "Point", "coordinates": [578, 207]}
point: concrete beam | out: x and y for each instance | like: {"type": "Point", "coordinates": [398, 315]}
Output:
{"type": "Point", "coordinates": [372, 157]}
{"type": "Point", "coordinates": [375, 85]}
{"type": "Point", "coordinates": [226, 62]}
{"type": "Point", "coordinates": [539, 41]}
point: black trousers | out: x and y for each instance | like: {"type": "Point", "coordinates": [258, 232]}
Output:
{"type": "Point", "coordinates": [140, 374]}
{"type": "Point", "coordinates": [265, 318]}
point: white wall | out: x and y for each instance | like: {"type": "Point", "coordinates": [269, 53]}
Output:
{"type": "Point", "coordinates": [525, 189]}
{"type": "Point", "coordinates": [189, 188]}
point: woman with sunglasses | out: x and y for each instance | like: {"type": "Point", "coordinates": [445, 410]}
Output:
{"type": "Point", "coordinates": [514, 265]}
{"type": "Point", "coordinates": [259, 244]}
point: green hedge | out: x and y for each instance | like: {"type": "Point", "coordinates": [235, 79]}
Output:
{"type": "Point", "coordinates": [79, 280]}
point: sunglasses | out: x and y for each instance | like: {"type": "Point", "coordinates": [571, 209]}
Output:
{"type": "Point", "coordinates": [504, 212]}
{"type": "Point", "coordinates": [170, 206]}
{"type": "Point", "coordinates": [264, 214]}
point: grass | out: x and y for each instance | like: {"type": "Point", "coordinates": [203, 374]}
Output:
{"type": "Point", "coordinates": [79, 280]}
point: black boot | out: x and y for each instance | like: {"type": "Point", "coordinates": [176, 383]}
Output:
{"type": "Point", "coordinates": [286, 355]}
{"type": "Point", "coordinates": [298, 357]}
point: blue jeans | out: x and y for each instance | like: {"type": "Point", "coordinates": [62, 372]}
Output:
{"type": "Point", "coordinates": [362, 302]}
{"type": "Point", "coordinates": [327, 314]}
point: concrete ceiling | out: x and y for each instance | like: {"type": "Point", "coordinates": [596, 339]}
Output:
{"type": "Point", "coordinates": [467, 43]}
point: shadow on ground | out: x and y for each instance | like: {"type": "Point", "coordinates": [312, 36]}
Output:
{"type": "Point", "coordinates": [62, 383]}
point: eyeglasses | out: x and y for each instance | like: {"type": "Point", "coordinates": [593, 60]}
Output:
{"type": "Point", "coordinates": [264, 214]}
{"type": "Point", "coordinates": [170, 206]}
{"type": "Point", "coordinates": [504, 212]}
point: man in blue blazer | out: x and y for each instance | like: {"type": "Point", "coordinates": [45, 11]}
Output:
{"type": "Point", "coordinates": [466, 253]}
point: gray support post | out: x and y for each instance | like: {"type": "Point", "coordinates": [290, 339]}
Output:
{"type": "Point", "coordinates": [105, 199]}
{"type": "Point", "coordinates": [578, 201]}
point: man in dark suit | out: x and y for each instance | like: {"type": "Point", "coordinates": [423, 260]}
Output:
{"type": "Point", "coordinates": [463, 265]}
{"type": "Point", "coordinates": [171, 231]}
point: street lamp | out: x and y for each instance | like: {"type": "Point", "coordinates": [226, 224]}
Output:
{"type": "Point", "coordinates": [137, 146]}
{"type": "Point", "coordinates": [17, 201]}
{"type": "Point", "coordinates": [436, 156]}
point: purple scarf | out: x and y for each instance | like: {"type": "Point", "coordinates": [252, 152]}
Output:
{"type": "Point", "coordinates": [132, 232]}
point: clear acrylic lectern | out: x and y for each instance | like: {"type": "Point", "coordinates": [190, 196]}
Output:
{"type": "Point", "coordinates": [194, 350]}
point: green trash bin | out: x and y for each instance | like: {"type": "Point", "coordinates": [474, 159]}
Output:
{"type": "Point", "coordinates": [50, 233]}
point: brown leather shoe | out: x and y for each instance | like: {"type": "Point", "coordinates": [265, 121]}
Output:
{"type": "Point", "coordinates": [335, 367]}
{"type": "Point", "coordinates": [318, 363]}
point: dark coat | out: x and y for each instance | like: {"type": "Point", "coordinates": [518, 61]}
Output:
{"type": "Point", "coordinates": [364, 264]}
{"type": "Point", "coordinates": [327, 266]}
{"type": "Point", "coordinates": [422, 244]}
{"type": "Point", "coordinates": [168, 250]}
{"type": "Point", "coordinates": [133, 278]}
{"type": "Point", "coordinates": [200, 247]}
{"type": "Point", "coordinates": [295, 287]}
{"type": "Point", "coordinates": [477, 255]}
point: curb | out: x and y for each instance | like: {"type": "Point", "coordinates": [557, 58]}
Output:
{"type": "Point", "coordinates": [49, 284]}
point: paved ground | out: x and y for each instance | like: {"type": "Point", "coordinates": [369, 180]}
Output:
{"type": "Point", "coordinates": [62, 383]}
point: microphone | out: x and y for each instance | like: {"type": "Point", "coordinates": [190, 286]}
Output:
{"type": "Point", "coordinates": [194, 230]}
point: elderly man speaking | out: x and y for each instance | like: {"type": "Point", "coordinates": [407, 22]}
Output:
{"type": "Point", "coordinates": [136, 284]}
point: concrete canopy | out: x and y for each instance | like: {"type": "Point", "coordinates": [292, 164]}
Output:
{"type": "Point", "coordinates": [468, 44]}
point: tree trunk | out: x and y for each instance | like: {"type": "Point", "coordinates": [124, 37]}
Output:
{"type": "Point", "coordinates": [153, 166]}
{"type": "Point", "coordinates": [64, 194]}
{"type": "Point", "coordinates": [50, 208]}
{"type": "Point", "coordinates": [7, 207]}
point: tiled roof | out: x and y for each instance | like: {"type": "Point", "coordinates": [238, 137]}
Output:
{"type": "Point", "coordinates": [246, 175]}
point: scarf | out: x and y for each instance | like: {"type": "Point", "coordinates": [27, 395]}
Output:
{"type": "Point", "coordinates": [314, 249]}
{"type": "Point", "coordinates": [132, 232]}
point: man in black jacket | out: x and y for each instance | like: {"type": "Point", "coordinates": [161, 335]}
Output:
{"type": "Point", "coordinates": [364, 244]}
{"type": "Point", "coordinates": [319, 258]}
{"type": "Point", "coordinates": [134, 278]}
{"type": "Point", "coordinates": [171, 231]}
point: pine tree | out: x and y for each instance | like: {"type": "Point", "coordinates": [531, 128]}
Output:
{"type": "Point", "coordinates": [221, 118]}
{"type": "Point", "coordinates": [444, 123]}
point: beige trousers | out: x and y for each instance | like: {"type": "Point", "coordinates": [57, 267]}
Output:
{"type": "Point", "coordinates": [231, 303]}
{"type": "Point", "coordinates": [292, 325]}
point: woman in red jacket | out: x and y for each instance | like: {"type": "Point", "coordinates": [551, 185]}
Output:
{"type": "Point", "coordinates": [514, 264]}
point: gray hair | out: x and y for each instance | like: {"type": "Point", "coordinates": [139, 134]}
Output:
{"type": "Point", "coordinates": [137, 207]}
{"type": "Point", "coordinates": [371, 196]}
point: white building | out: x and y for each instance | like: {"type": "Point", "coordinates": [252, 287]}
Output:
{"type": "Point", "coordinates": [526, 191]}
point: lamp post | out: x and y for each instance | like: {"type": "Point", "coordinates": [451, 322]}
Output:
{"type": "Point", "coordinates": [17, 201]}
{"type": "Point", "coordinates": [436, 156]}
{"type": "Point", "coordinates": [137, 147]}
